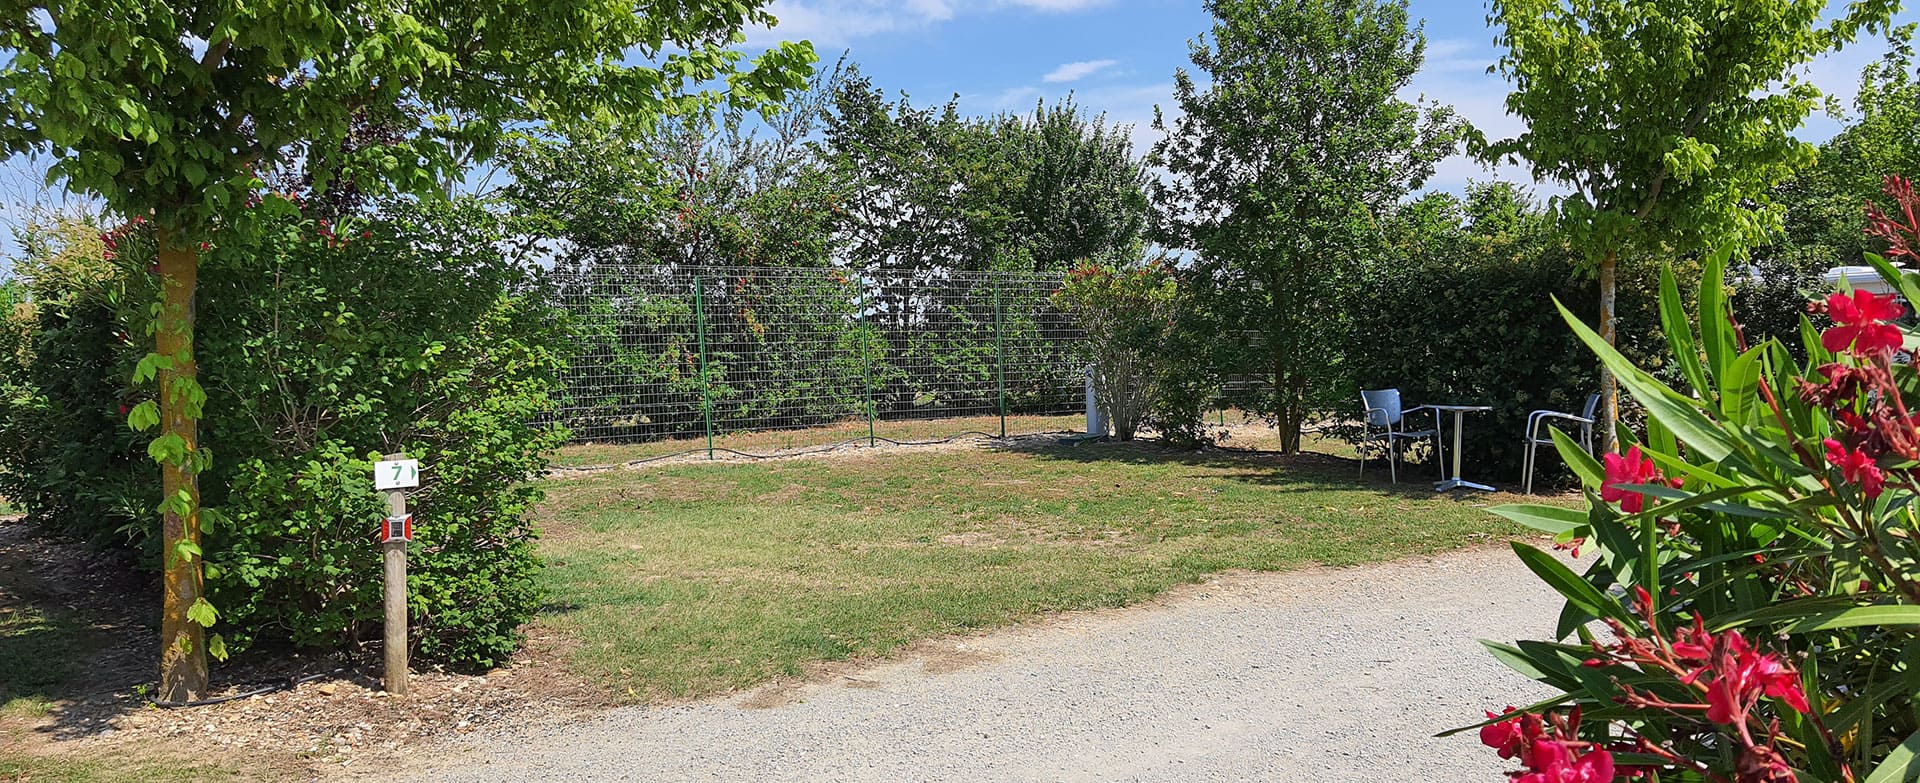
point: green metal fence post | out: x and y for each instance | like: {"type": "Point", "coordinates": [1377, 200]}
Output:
{"type": "Point", "coordinates": [1000, 347]}
{"type": "Point", "coordinates": [866, 360]}
{"type": "Point", "coordinates": [706, 379]}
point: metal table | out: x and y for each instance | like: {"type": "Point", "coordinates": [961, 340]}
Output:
{"type": "Point", "coordinates": [1459, 416]}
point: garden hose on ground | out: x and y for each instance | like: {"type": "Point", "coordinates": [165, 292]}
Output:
{"type": "Point", "coordinates": [289, 684]}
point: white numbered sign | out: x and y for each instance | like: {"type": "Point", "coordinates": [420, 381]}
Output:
{"type": "Point", "coordinates": [396, 474]}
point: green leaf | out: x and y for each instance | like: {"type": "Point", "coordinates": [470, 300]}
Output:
{"type": "Point", "coordinates": [183, 549]}
{"type": "Point", "coordinates": [1542, 517]}
{"type": "Point", "coordinates": [179, 503]}
{"type": "Point", "coordinates": [1740, 387]}
{"type": "Point", "coordinates": [1678, 468]}
{"type": "Point", "coordinates": [144, 416]}
{"type": "Point", "coordinates": [1534, 663]}
{"type": "Point", "coordinates": [1817, 353]}
{"type": "Point", "coordinates": [1716, 328]}
{"type": "Point", "coordinates": [217, 647]}
{"type": "Point", "coordinates": [1649, 562]}
{"type": "Point", "coordinates": [1569, 585]}
{"type": "Point", "coordinates": [1577, 459]}
{"type": "Point", "coordinates": [1673, 320]}
{"type": "Point", "coordinates": [1823, 614]}
{"type": "Point", "coordinates": [1909, 286]}
{"type": "Point", "coordinates": [169, 449]}
{"type": "Point", "coordinates": [1659, 438]}
{"type": "Point", "coordinates": [149, 366]}
{"type": "Point", "coordinates": [1616, 544]}
{"type": "Point", "coordinates": [202, 613]}
{"type": "Point", "coordinates": [1900, 766]}
{"type": "Point", "coordinates": [1679, 500]}
{"type": "Point", "coordinates": [1679, 414]}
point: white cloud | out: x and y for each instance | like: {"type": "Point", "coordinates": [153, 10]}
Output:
{"type": "Point", "coordinates": [1457, 55]}
{"type": "Point", "coordinates": [931, 10]}
{"type": "Point", "coordinates": [1073, 72]}
{"type": "Point", "coordinates": [1056, 5]}
{"type": "Point", "coordinates": [836, 23]}
{"type": "Point", "coordinates": [1018, 98]}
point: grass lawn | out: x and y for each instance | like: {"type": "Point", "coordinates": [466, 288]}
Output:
{"type": "Point", "coordinates": [102, 770]}
{"type": "Point", "coordinates": [695, 579]}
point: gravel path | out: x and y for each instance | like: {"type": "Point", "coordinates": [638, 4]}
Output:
{"type": "Point", "coordinates": [1321, 674]}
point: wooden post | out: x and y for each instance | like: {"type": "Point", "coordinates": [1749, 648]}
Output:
{"type": "Point", "coordinates": [394, 555]}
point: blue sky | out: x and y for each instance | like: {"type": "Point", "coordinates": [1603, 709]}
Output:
{"type": "Point", "coordinates": [1118, 56]}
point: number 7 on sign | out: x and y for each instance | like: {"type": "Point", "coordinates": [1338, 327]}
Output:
{"type": "Point", "coordinates": [396, 474]}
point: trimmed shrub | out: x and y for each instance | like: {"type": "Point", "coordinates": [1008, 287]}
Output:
{"type": "Point", "coordinates": [1748, 612]}
{"type": "Point", "coordinates": [1481, 328]}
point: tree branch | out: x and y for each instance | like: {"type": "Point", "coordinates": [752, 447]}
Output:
{"type": "Point", "coordinates": [216, 52]}
{"type": "Point", "coordinates": [1693, 122]}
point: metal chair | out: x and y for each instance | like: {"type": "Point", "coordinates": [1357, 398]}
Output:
{"type": "Point", "coordinates": [1534, 437]}
{"type": "Point", "coordinates": [1382, 423]}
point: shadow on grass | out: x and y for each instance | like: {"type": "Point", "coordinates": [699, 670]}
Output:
{"type": "Point", "coordinates": [567, 606]}
{"type": "Point", "coordinates": [1307, 471]}
{"type": "Point", "coordinates": [72, 649]}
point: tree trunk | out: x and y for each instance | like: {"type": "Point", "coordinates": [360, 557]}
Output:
{"type": "Point", "coordinates": [1288, 406]}
{"type": "Point", "coordinates": [183, 649]}
{"type": "Point", "coordinates": [1609, 413]}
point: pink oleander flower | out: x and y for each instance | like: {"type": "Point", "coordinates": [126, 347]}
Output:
{"type": "Point", "coordinates": [1512, 736]}
{"type": "Point", "coordinates": [1573, 544]}
{"type": "Point", "coordinates": [1626, 470]}
{"type": "Point", "coordinates": [1841, 384]}
{"type": "Point", "coordinates": [1860, 323]}
{"type": "Point", "coordinates": [1856, 467]}
{"type": "Point", "coordinates": [1762, 764]}
{"type": "Point", "coordinates": [1741, 675]}
{"type": "Point", "coordinates": [1693, 645]}
{"type": "Point", "coordinates": [1552, 762]}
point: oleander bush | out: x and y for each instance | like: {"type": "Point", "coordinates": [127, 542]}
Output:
{"type": "Point", "coordinates": [1750, 611]}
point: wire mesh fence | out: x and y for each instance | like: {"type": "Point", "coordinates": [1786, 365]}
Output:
{"type": "Point", "coordinates": [683, 355]}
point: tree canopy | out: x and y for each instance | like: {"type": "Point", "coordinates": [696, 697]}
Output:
{"type": "Point", "coordinates": [1670, 120]}
{"type": "Point", "coordinates": [168, 111]}
{"type": "Point", "coordinates": [930, 188]}
{"type": "Point", "coordinates": [1278, 169]}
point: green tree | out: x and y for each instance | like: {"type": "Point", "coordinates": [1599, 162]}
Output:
{"type": "Point", "coordinates": [167, 110]}
{"type": "Point", "coordinates": [933, 190]}
{"type": "Point", "coordinates": [1825, 225]}
{"type": "Point", "coordinates": [707, 188]}
{"type": "Point", "coordinates": [1670, 120]}
{"type": "Point", "coordinates": [1277, 171]}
